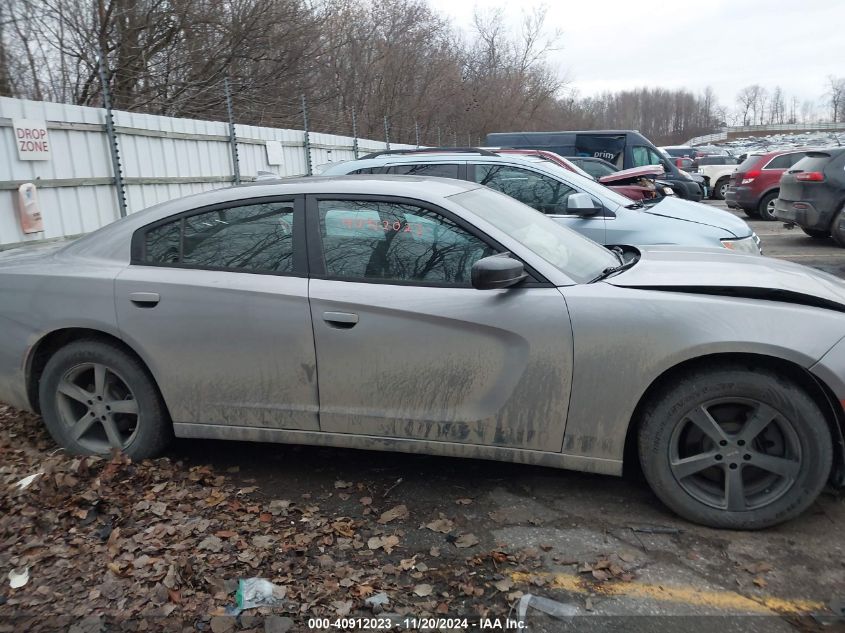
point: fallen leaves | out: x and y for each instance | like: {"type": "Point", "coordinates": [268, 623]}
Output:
{"type": "Point", "coordinates": [398, 512]}
{"type": "Point", "coordinates": [387, 543]}
{"type": "Point", "coordinates": [423, 590]}
{"type": "Point", "coordinates": [609, 567]}
{"type": "Point", "coordinates": [444, 526]}
{"type": "Point", "coordinates": [466, 540]}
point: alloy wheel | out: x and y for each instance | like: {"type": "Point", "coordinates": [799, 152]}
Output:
{"type": "Point", "coordinates": [735, 454]}
{"type": "Point", "coordinates": [98, 407]}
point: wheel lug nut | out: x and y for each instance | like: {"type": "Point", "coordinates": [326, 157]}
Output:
{"type": "Point", "coordinates": [740, 443]}
{"type": "Point", "coordinates": [746, 457]}
{"type": "Point", "coordinates": [718, 458]}
{"type": "Point", "coordinates": [734, 466]}
{"type": "Point", "coordinates": [723, 443]}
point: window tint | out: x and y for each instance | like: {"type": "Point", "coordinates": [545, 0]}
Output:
{"type": "Point", "coordinates": [813, 162]}
{"type": "Point", "coordinates": [538, 191]}
{"type": "Point", "coordinates": [363, 170]}
{"type": "Point", "coordinates": [162, 243]}
{"type": "Point", "coordinates": [251, 238]}
{"type": "Point", "coordinates": [748, 163]}
{"type": "Point", "coordinates": [401, 242]}
{"type": "Point", "coordinates": [435, 169]}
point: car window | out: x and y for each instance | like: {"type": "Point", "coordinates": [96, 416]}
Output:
{"type": "Point", "coordinates": [748, 163]}
{"type": "Point", "coordinates": [596, 169]}
{"type": "Point", "coordinates": [248, 238]}
{"type": "Point", "coordinates": [538, 191]}
{"type": "Point", "coordinates": [363, 170]}
{"type": "Point", "coordinates": [779, 162]}
{"type": "Point", "coordinates": [643, 156]}
{"type": "Point", "coordinates": [381, 241]}
{"type": "Point", "coordinates": [439, 170]}
{"type": "Point", "coordinates": [813, 162]}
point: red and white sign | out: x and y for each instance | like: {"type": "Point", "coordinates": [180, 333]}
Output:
{"type": "Point", "coordinates": [31, 139]}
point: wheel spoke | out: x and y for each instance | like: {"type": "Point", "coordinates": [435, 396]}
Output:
{"type": "Point", "coordinates": [704, 421]}
{"type": "Point", "coordinates": [124, 406]}
{"type": "Point", "coordinates": [778, 465]}
{"type": "Point", "coordinates": [734, 489]}
{"type": "Point", "coordinates": [112, 433]}
{"type": "Point", "coordinates": [762, 417]}
{"type": "Point", "coordinates": [81, 425]}
{"type": "Point", "coordinates": [74, 392]}
{"type": "Point", "coordinates": [100, 380]}
{"type": "Point", "coordinates": [692, 465]}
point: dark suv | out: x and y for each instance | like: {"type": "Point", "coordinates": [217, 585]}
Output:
{"type": "Point", "coordinates": [812, 194]}
{"type": "Point", "coordinates": [755, 183]}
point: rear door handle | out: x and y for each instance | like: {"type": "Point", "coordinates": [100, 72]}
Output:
{"type": "Point", "coordinates": [342, 320]}
{"type": "Point", "coordinates": [144, 299]}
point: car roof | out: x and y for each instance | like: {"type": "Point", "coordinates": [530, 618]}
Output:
{"type": "Point", "coordinates": [441, 157]}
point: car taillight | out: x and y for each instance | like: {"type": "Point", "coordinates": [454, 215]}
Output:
{"type": "Point", "coordinates": [811, 176]}
{"type": "Point", "coordinates": [749, 176]}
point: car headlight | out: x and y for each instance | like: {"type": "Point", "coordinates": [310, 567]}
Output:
{"type": "Point", "coordinates": [749, 245]}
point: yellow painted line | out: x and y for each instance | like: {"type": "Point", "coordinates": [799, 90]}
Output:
{"type": "Point", "coordinates": [722, 600]}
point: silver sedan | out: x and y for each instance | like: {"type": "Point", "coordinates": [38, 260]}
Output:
{"type": "Point", "coordinates": [434, 316]}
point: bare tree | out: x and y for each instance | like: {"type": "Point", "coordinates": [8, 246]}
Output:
{"type": "Point", "coordinates": [836, 94]}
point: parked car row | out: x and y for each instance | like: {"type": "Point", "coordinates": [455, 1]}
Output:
{"type": "Point", "coordinates": [571, 199]}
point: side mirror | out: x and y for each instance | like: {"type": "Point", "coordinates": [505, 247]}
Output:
{"type": "Point", "coordinates": [581, 204]}
{"type": "Point", "coordinates": [497, 271]}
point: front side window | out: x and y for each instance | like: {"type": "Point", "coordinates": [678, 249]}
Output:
{"type": "Point", "coordinates": [386, 241]}
{"type": "Point", "coordinates": [538, 191]}
{"type": "Point", "coordinates": [439, 170]}
{"type": "Point", "coordinates": [643, 156]}
{"type": "Point", "coordinates": [249, 238]}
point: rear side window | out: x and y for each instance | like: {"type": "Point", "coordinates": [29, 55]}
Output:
{"type": "Point", "coordinates": [248, 238]}
{"type": "Point", "coordinates": [432, 169]}
{"type": "Point", "coordinates": [780, 162]}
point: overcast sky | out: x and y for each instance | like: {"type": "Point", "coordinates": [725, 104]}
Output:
{"type": "Point", "coordinates": [726, 44]}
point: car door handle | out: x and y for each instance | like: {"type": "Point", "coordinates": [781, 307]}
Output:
{"type": "Point", "coordinates": [342, 320]}
{"type": "Point", "coordinates": [144, 299]}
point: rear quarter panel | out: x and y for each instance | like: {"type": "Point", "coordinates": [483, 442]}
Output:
{"type": "Point", "coordinates": [44, 294]}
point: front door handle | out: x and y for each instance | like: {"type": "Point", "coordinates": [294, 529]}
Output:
{"type": "Point", "coordinates": [342, 320]}
{"type": "Point", "coordinates": [144, 299]}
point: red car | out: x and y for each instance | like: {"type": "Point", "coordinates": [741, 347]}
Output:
{"type": "Point", "coordinates": [637, 185]}
{"type": "Point", "coordinates": [755, 184]}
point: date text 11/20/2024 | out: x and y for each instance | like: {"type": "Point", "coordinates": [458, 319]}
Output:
{"type": "Point", "coordinates": [409, 622]}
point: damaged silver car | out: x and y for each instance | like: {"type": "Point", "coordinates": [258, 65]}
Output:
{"type": "Point", "coordinates": [434, 316]}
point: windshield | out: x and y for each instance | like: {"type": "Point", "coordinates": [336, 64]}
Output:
{"type": "Point", "coordinates": [608, 197]}
{"type": "Point", "coordinates": [571, 253]}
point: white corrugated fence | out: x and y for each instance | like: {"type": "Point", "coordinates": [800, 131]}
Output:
{"type": "Point", "coordinates": [162, 158]}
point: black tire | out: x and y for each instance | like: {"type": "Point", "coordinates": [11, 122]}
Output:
{"type": "Point", "coordinates": [752, 213]}
{"type": "Point", "coordinates": [837, 228]}
{"type": "Point", "coordinates": [733, 397]}
{"type": "Point", "coordinates": [766, 209]}
{"type": "Point", "coordinates": [816, 234]}
{"type": "Point", "coordinates": [721, 188]}
{"type": "Point", "coordinates": [129, 415]}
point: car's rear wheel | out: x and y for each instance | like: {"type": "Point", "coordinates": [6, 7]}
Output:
{"type": "Point", "coordinates": [817, 234]}
{"type": "Point", "coordinates": [721, 188]}
{"type": "Point", "coordinates": [729, 447]}
{"type": "Point", "coordinates": [96, 398]}
{"type": "Point", "coordinates": [766, 208]}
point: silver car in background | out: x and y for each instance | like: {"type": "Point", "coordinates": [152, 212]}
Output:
{"type": "Point", "coordinates": [434, 316]}
{"type": "Point", "coordinates": [577, 202]}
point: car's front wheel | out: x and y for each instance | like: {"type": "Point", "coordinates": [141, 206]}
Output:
{"type": "Point", "coordinates": [95, 398]}
{"type": "Point", "coordinates": [732, 447]}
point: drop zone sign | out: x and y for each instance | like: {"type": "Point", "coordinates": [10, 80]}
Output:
{"type": "Point", "coordinates": [31, 139]}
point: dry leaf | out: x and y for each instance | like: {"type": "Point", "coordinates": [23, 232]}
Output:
{"type": "Point", "coordinates": [342, 484]}
{"type": "Point", "coordinates": [506, 584]}
{"type": "Point", "coordinates": [463, 502]}
{"type": "Point", "coordinates": [444, 526]}
{"type": "Point", "coordinates": [466, 540]}
{"type": "Point", "coordinates": [423, 590]}
{"type": "Point", "coordinates": [399, 512]}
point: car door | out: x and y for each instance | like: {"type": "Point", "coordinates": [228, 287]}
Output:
{"type": "Point", "coordinates": [539, 191]}
{"type": "Point", "coordinates": [407, 348]}
{"type": "Point", "coordinates": [216, 300]}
